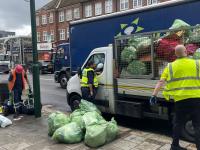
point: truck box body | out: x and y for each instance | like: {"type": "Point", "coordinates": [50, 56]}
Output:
{"type": "Point", "coordinates": [87, 34]}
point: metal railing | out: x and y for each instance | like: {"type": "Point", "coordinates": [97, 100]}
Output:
{"type": "Point", "coordinates": [145, 55]}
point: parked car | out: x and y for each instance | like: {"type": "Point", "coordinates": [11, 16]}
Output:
{"type": "Point", "coordinates": [46, 66]}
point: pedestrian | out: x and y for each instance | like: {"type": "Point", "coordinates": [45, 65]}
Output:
{"type": "Point", "coordinates": [17, 81]}
{"type": "Point", "coordinates": [89, 83]}
{"type": "Point", "coordinates": [182, 78]}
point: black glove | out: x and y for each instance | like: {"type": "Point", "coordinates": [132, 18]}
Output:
{"type": "Point", "coordinates": [153, 100]}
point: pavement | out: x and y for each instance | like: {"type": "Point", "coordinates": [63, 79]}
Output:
{"type": "Point", "coordinates": [30, 133]}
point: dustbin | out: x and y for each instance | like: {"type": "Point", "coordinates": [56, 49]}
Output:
{"type": "Point", "coordinates": [4, 92]}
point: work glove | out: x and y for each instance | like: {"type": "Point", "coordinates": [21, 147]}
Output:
{"type": "Point", "coordinates": [153, 100]}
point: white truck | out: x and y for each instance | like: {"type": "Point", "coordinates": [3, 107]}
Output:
{"type": "Point", "coordinates": [131, 68]}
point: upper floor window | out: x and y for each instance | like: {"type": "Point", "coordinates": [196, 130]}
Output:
{"type": "Point", "coordinates": [38, 36]}
{"type": "Point", "coordinates": [76, 13]}
{"type": "Point", "coordinates": [37, 21]}
{"type": "Point", "coordinates": [67, 32]}
{"type": "Point", "coordinates": [44, 19]}
{"type": "Point", "coordinates": [150, 2]}
{"type": "Point", "coordinates": [137, 3]}
{"type": "Point", "coordinates": [88, 10]}
{"type": "Point", "coordinates": [124, 4]}
{"type": "Point", "coordinates": [45, 36]}
{"type": "Point", "coordinates": [52, 35]}
{"type": "Point", "coordinates": [108, 6]}
{"type": "Point", "coordinates": [51, 17]}
{"type": "Point", "coordinates": [98, 8]}
{"type": "Point", "coordinates": [61, 16]}
{"type": "Point", "coordinates": [69, 15]}
{"type": "Point", "coordinates": [62, 34]}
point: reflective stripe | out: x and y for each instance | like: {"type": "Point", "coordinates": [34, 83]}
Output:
{"type": "Point", "coordinates": [170, 71]}
{"type": "Point", "coordinates": [183, 78]}
{"type": "Point", "coordinates": [197, 67]}
{"type": "Point", "coordinates": [184, 88]}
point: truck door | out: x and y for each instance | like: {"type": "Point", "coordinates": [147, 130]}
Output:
{"type": "Point", "coordinates": [99, 59]}
{"type": "Point", "coordinates": [62, 57]}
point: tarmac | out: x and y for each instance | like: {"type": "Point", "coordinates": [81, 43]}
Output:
{"type": "Point", "coordinates": [30, 133]}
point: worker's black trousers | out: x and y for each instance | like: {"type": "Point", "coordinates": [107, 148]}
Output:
{"type": "Point", "coordinates": [184, 109]}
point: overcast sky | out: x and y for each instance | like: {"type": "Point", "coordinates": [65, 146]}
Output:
{"type": "Point", "coordinates": [15, 15]}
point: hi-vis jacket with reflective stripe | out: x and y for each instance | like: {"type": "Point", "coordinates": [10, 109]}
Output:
{"type": "Point", "coordinates": [183, 79]}
{"type": "Point", "coordinates": [84, 81]}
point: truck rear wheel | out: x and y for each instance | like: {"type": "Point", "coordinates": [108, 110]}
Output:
{"type": "Point", "coordinates": [63, 81]}
{"type": "Point", "coordinates": [74, 102]}
{"type": "Point", "coordinates": [188, 131]}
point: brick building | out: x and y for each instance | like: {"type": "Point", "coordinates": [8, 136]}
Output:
{"type": "Point", "coordinates": [53, 19]}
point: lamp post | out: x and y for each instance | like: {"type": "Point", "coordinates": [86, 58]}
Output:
{"type": "Point", "coordinates": [36, 79]}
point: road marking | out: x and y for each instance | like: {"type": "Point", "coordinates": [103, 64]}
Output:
{"type": "Point", "coordinates": [47, 79]}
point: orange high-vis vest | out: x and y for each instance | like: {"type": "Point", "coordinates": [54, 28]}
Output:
{"type": "Point", "coordinates": [12, 83]}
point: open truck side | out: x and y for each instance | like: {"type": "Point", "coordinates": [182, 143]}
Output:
{"type": "Point", "coordinates": [122, 89]}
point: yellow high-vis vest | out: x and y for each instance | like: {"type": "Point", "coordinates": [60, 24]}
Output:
{"type": "Point", "coordinates": [183, 80]}
{"type": "Point", "coordinates": [84, 80]}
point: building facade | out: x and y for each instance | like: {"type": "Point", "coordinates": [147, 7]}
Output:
{"type": "Point", "coordinates": [6, 34]}
{"type": "Point", "coordinates": [53, 19]}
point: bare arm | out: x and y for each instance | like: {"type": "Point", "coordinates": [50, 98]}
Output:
{"type": "Point", "coordinates": [159, 85]}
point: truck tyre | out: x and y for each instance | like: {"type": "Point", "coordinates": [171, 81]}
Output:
{"type": "Point", "coordinates": [74, 102]}
{"type": "Point", "coordinates": [63, 81]}
{"type": "Point", "coordinates": [188, 131]}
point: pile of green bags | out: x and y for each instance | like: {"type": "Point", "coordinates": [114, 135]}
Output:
{"type": "Point", "coordinates": [85, 123]}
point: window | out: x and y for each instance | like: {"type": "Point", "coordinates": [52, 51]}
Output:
{"type": "Point", "coordinates": [76, 13]}
{"type": "Point", "coordinates": [52, 35]}
{"type": "Point", "coordinates": [51, 17]}
{"type": "Point", "coordinates": [37, 21]}
{"type": "Point", "coordinates": [99, 60]}
{"type": "Point", "coordinates": [124, 4]}
{"type": "Point", "coordinates": [62, 34]}
{"type": "Point", "coordinates": [108, 6]}
{"type": "Point", "coordinates": [44, 19]}
{"type": "Point", "coordinates": [67, 32]}
{"type": "Point", "coordinates": [69, 15]}
{"type": "Point", "coordinates": [38, 36]}
{"type": "Point", "coordinates": [61, 16]}
{"type": "Point", "coordinates": [98, 8]}
{"type": "Point", "coordinates": [151, 2]}
{"type": "Point", "coordinates": [137, 3]}
{"type": "Point", "coordinates": [45, 36]}
{"type": "Point", "coordinates": [88, 10]}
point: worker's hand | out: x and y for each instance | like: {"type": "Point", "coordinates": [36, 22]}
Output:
{"type": "Point", "coordinates": [153, 100]}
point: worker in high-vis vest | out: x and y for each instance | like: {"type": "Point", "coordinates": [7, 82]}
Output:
{"type": "Point", "coordinates": [17, 81]}
{"type": "Point", "coordinates": [89, 82]}
{"type": "Point", "coordinates": [182, 79]}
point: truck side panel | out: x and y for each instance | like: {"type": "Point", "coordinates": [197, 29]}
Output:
{"type": "Point", "coordinates": [88, 35]}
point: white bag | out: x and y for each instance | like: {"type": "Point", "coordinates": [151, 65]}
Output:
{"type": "Point", "coordinates": [4, 122]}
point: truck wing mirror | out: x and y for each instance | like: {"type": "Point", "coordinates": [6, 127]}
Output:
{"type": "Point", "coordinates": [79, 72]}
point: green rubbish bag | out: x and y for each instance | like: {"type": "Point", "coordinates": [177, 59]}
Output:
{"type": "Point", "coordinates": [76, 116]}
{"type": "Point", "coordinates": [95, 135]}
{"type": "Point", "coordinates": [88, 106]}
{"type": "Point", "coordinates": [91, 118]}
{"type": "Point", "coordinates": [57, 120]}
{"type": "Point", "coordinates": [69, 134]}
{"type": "Point", "coordinates": [112, 130]}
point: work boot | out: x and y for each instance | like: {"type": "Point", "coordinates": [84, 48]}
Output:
{"type": "Point", "coordinates": [16, 115]}
{"type": "Point", "coordinates": [177, 147]}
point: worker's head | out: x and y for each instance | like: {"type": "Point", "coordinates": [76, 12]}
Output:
{"type": "Point", "coordinates": [18, 69]}
{"type": "Point", "coordinates": [91, 64]}
{"type": "Point", "coordinates": [180, 51]}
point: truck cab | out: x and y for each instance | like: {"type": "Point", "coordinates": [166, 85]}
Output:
{"type": "Point", "coordinates": [62, 64]}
